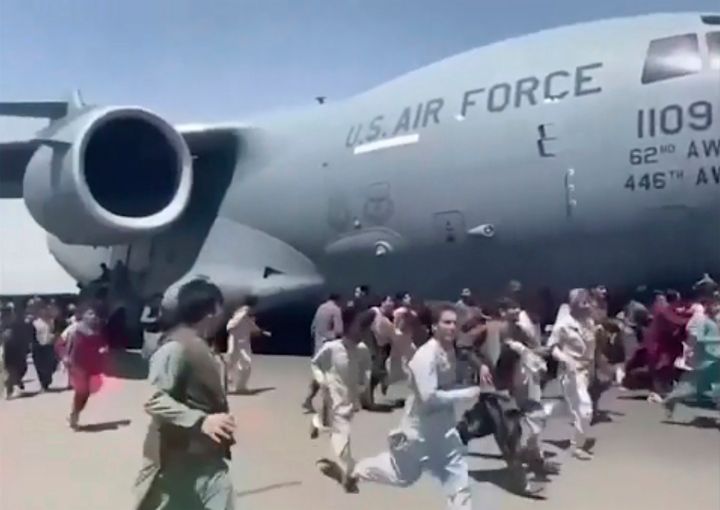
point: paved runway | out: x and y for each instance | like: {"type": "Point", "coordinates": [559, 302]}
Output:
{"type": "Point", "coordinates": [640, 462]}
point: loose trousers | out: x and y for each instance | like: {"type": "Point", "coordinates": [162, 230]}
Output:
{"type": "Point", "coordinates": [408, 457]}
{"type": "Point", "coordinates": [339, 429]}
{"type": "Point", "coordinates": [200, 484]}
{"type": "Point", "coordinates": [575, 388]}
{"type": "Point", "coordinates": [239, 367]}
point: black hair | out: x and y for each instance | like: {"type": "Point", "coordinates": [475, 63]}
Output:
{"type": "Point", "coordinates": [441, 309]}
{"type": "Point", "coordinates": [348, 316]}
{"type": "Point", "coordinates": [360, 319]}
{"type": "Point", "coordinates": [491, 309]}
{"type": "Point", "coordinates": [365, 288]}
{"type": "Point", "coordinates": [251, 300]}
{"type": "Point", "coordinates": [401, 295]}
{"type": "Point", "coordinates": [672, 296]}
{"type": "Point", "coordinates": [196, 300]}
{"type": "Point", "coordinates": [507, 304]}
{"type": "Point", "coordinates": [365, 319]}
{"type": "Point", "coordinates": [334, 296]}
{"type": "Point", "coordinates": [95, 305]}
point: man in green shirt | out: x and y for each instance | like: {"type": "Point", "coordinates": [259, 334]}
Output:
{"type": "Point", "coordinates": [189, 438]}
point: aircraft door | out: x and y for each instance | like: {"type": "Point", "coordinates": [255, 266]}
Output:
{"type": "Point", "coordinates": [561, 174]}
{"type": "Point", "coordinates": [450, 227]}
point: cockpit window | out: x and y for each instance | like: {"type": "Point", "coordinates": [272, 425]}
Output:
{"type": "Point", "coordinates": [713, 42]}
{"type": "Point", "coordinates": [672, 57]}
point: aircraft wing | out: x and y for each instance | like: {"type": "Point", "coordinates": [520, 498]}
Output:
{"type": "Point", "coordinates": [239, 259]}
{"type": "Point", "coordinates": [14, 157]}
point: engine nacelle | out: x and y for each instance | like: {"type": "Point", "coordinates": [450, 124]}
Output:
{"type": "Point", "coordinates": [104, 176]}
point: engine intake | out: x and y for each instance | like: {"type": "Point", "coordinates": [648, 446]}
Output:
{"type": "Point", "coordinates": [106, 176]}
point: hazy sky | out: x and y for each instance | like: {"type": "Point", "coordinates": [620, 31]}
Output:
{"type": "Point", "coordinates": [194, 60]}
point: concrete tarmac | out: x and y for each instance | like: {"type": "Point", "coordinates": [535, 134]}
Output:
{"type": "Point", "coordinates": [640, 462]}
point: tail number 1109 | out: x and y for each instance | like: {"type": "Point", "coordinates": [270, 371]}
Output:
{"type": "Point", "coordinates": [673, 118]}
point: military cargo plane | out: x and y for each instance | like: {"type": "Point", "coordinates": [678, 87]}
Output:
{"type": "Point", "coordinates": [583, 154]}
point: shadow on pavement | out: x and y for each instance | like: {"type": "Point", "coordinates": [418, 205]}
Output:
{"type": "Point", "coordinates": [252, 392]}
{"type": "Point", "coordinates": [103, 427]}
{"type": "Point", "coordinates": [25, 394]}
{"type": "Point", "coordinates": [699, 422]}
{"type": "Point", "coordinates": [55, 389]}
{"type": "Point", "coordinates": [489, 456]}
{"type": "Point", "coordinates": [502, 478]}
{"type": "Point", "coordinates": [379, 408]}
{"type": "Point", "coordinates": [562, 444]}
{"type": "Point", "coordinates": [267, 488]}
{"type": "Point", "coordinates": [601, 417]}
{"type": "Point", "coordinates": [126, 365]}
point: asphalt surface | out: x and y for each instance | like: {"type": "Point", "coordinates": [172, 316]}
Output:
{"type": "Point", "coordinates": [641, 462]}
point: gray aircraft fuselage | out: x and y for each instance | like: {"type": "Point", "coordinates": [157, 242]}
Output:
{"type": "Point", "coordinates": [579, 155]}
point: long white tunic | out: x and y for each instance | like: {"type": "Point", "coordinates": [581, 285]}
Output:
{"type": "Point", "coordinates": [427, 438]}
{"type": "Point", "coordinates": [575, 341]}
{"type": "Point", "coordinates": [240, 328]}
{"type": "Point", "coordinates": [343, 367]}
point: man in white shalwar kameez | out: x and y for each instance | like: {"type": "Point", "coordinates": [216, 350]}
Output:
{"type": "Point", "coordinates": [238, 360]}
{"type": "Point", "coordinates": [427, 438]}
{"type": "Point", "coordinates": [342, 369]}
{"type": "Point", "coordinates": [573, 344]}
{"type": "Point", "coordinates": [326, 325]}
{"type": "Point", "coordinates": [402, 347]}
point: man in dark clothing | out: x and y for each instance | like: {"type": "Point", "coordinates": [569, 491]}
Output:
{"type": "Point", "coordinates": [516, 399]}
{"type": "Point", "coordinates": [188, 442]}
{"type": "Point", "coordinates": [13, 356]}
{"type": "Point", "coordinates": [361, 299]}
{"type": "Point", "coordinates": [18, 335]}
{"type": "Point", "coordinates": [378, 340]}
{"type": "Point", "coordinates": [472, 335]}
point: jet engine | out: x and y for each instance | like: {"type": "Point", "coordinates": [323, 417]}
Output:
{"type": "Point", "coordinates": [106, 176]}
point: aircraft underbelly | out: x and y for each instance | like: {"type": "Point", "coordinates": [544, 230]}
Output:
{"type": "Point", "coordinates": [616, 259]}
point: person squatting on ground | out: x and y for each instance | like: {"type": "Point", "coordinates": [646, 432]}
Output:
{"type": "Point", "coordinates": [327, 325]}
{"type": "Point", "coordinates": [342, 369]}
{"type": "Point", "coordinates": [188, 442]}
{"type": "Point", "coordinates": [427, 438]}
